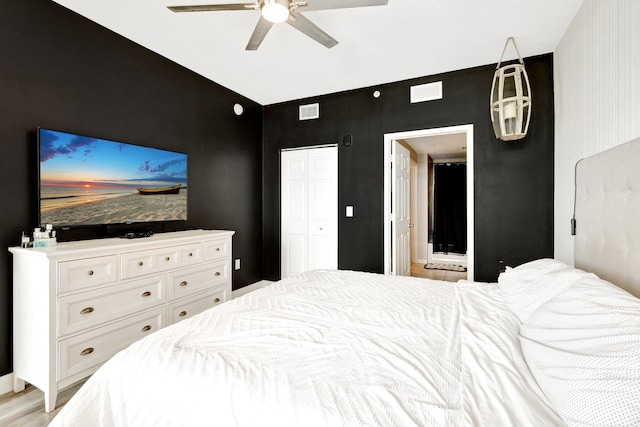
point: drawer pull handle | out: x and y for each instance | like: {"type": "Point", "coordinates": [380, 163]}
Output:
{"type": "Point", "coordinates": [146, 328]}
{"type": "Point", "coordinates": [86, 351]}
{"type": "Point", "coordinates": [183, 283]}
{"type": "Point", "coordinates": [167, 258]}
{"type": "Point", "coordinates": [190, 254]}
{"type": "Point", "coordinates": [90, 272]}
{"type": "Point", "coordinates": [146, 294]}
{"type": "Point", "coordinates": [140, 263]}
{"type": "Point", "coordinates": [182, 313]}
{"type": "Point", "coordinates": [216, 300]}
{"type": "Point", "coordinates": [87, 310]}
{"type": "Point", "coordinates": [217, 273]}
{"type": "Point", "coordinates": [217, 249]}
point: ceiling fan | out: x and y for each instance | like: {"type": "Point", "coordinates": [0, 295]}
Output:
{"type": "Point", "coordinates": [289, 11]}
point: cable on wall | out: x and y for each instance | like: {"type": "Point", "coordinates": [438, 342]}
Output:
{"type": "Point", "coordinates": [575, 196]}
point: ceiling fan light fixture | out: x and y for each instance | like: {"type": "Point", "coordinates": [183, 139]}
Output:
{"type": "Point", "coordinates": [275, 11]}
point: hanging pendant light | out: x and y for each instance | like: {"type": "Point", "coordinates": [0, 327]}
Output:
{"type": "Point", "coordinates": [510, 99]}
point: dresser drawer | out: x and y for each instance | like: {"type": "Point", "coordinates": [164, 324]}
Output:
{"type": "Point", "coordinates": [85, 352]}
{"type": "Point", "coordinates": [83, 273]}
{"type": "Point", "coordinates": [91, 308]}
{"type": "Point", "coordinates": [189, 281]}
{"type": "Point", "coordinates": [217, 249]}
{"type": "Point", "coordinates": [188, 307]}
{"type": "Point", "coordinates": [136, 264]}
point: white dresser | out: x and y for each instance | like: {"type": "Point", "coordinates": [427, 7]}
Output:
{"type": "Point", "coordinates": [76, 304]}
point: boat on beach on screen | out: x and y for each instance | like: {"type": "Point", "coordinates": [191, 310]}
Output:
{"type": "Point", "coordinates": [163, 190]}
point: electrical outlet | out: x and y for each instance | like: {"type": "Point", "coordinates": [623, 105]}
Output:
{"type": "Point", "coordinates": [237, 266]}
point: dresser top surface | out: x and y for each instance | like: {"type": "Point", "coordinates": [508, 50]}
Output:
{"type": "Point", "coordinates": [123, 244]}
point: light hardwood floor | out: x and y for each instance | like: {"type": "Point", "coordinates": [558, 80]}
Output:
{"type": "Point", "coordinates": [418, 270]}
{"type": "Point", "coordinates": [26, 409]}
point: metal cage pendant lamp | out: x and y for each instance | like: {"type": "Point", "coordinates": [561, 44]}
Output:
{"type": "Point", "coordinates": [510, 99]}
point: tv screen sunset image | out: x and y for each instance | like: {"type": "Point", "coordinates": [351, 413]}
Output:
{"type": "Point", "coordinates": [90, 181]}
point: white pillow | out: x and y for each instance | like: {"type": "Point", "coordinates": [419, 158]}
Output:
{"type": "Point", "coordinates": [583, 348]}
{"type": "Point", "coordinates": [528, 286]}
{"type": "Point", "coordinates": [531, 270]}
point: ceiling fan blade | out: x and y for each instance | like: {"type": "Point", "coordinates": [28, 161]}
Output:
{"type": "Point", "coordinates": [339, 4]}
{"type": "Point", "coordinates": [307, 27]}
{"type": "Point", "coordinates": [262, 28]}
{"type": "Point", "coordinates": [212, 7]}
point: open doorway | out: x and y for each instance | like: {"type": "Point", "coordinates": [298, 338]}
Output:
{"type": "Point", "coordinates": [432, 149]}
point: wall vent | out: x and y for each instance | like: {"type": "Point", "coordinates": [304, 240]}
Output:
{"type": "Point", "coordinates": [309, 111]}
{"type": "Point", "coordinates": [426, 92]}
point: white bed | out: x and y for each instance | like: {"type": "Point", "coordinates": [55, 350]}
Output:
{"type": "Point", "coordinates": [326, 348]}
{"type": "Point", "coordinates": [350, 348]}
{"type": "Point", "coordinates": [547, 345]}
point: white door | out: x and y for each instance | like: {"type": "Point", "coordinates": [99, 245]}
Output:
{"type": "Point", "coordinates": [309, 210]}
{"type": "Point", "coordinates": [400, 209]}
{"type": "Point", "coordinates": [413, 212]}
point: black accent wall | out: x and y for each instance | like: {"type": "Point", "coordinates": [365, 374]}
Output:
{"type": "Point", "coordinates": [59, 70]}
{"type": "Point", "coordinates": [513, 182]}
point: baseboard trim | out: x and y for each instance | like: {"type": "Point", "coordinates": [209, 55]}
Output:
{"type": "Point", "coordinates": [6, 383]}
{"type": "Point", "coordinates": [250, 288]}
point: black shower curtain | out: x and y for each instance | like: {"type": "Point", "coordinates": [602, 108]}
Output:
{"type": "Point", "coordinates": [450, 208]}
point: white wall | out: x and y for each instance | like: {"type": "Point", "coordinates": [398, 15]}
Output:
{"type": "Point", "coordinates": [597, 96]}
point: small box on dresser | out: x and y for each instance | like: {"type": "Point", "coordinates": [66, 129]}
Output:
{"type": "Point", "coordinates": [76, 304]}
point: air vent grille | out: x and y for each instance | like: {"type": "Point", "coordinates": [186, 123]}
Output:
{"type": "Point", "coordinates": [309, 111]}
{"type": "Point", "coordinates": [426, 92]}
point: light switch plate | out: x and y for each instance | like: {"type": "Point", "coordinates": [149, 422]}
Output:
{"type": "Point", "coordinates": [349, 211]}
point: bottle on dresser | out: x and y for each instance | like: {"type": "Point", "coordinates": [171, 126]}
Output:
{"type": "Point", "coordinates": [44, 238]}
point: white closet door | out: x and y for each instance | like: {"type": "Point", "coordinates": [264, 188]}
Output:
{"type": "Point", "coordinates": [309, 221]}
{"type": "Point", "coordinates": [400, 205]}
{"type": "Point", "coordinates": [323, 208]}
{"type": "Point", "coordinates": [294, 220]}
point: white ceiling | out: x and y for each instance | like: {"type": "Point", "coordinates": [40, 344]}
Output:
{"type": "Point", "coordinates": [445, 146]}
{"type": "Point", "coordinates": [382, 44]}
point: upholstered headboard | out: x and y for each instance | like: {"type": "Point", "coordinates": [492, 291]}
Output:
{"type": "Point", "coordinates": [607, 240]}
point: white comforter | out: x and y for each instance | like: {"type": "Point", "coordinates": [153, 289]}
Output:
{"type": "Point", "coordinates": [326, 349]}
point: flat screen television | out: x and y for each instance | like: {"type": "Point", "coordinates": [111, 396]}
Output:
{"type": "Point", "coordinates": [85, 181]}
